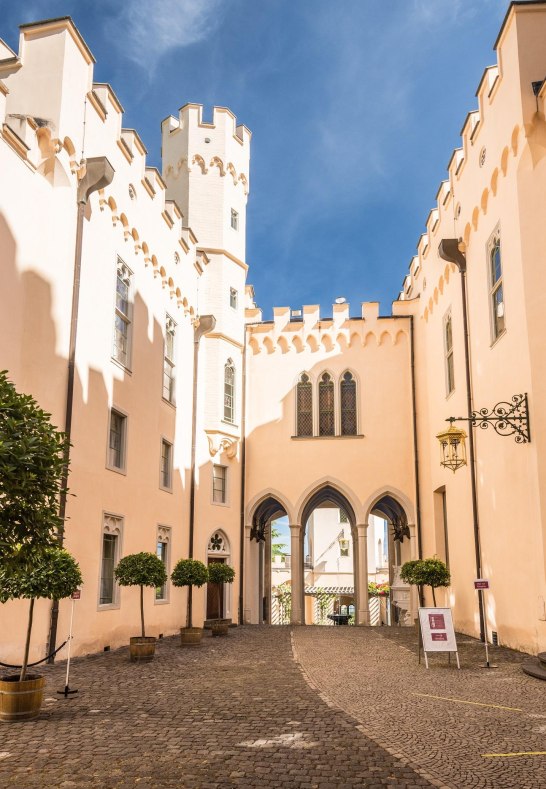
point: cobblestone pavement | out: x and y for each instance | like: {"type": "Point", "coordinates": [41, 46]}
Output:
{"type": "Point", "coordinates": [373, 674]}
{"type": "Point", "coordinates": [236, 711]}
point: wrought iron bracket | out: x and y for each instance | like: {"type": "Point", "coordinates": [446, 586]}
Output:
{"type": "Point", "coordinates": [507, 418]}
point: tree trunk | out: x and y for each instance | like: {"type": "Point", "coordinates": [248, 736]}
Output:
{"type": "Point", "coordinates": [142, 609]}
{"type": "Point", "coordinates": [189, 608]}
{"type": "Point", "coordinates": [433, 596]}
{"type": "Point", "coordinates": [23, 673]}
{"type": "Point", "coordinates": [219, 601]}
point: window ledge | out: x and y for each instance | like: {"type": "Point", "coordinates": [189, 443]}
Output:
{"type": "Point", "coordinates": [162, 602]}
{"type": "Point", "coordinates": [121, 365]}
{"type": "Point", "coordinates": [221, 503]}
{"type": "Point", "coordinates": [167, 490]}
{"type": "Point", "coordinates": [314, 438]}
{"type": "Point", "coordinates": [231, 424]}
{"type": "Point", "coordinates": [108, 606]}
{"type": "Point", "coordinates": [122, 471]}
{"type": "Point", "coordinates": [169, 402]}
{"type": "Point", "coordinates": [499, 337]}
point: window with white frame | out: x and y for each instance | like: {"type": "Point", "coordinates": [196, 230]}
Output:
{"type": "Point", "coordinates": [163, 545]}
{"type": "Point", "coordinates": [117, 440]}
{"type": "Point", "coordinates": [326, 405]}
{"type": "Point", "coordinates": [168, 360]}
{"type": "Point", "coordinates": [496, 288]}
{"type": "Point", "coordinates": [448, 353]}
{"type": "Point", "coordinates": [219, 480]}
{"type": "Point", "coordinates": [123, 316]}
{"type": "Point", "coordinates": [233, 298]}
{"type": "Point", "coordinates": [166, 471]}
{"type": "Point", "coordinates": [234, 219]}
{"type": "Point", "coordinates": [229, 391]}
{"type": "Point", "coordinates": [110, 554]}
{"type": "Point", "coordinates": [347, 404]}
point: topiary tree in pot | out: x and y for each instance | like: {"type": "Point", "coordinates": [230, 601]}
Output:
{"type": "Point", "coordinates": [190, 573]}
{"type": "Point", "coordinates": [426, 572]}
{"type": "Point", "coordinates": [53, 574]}
{"type": "Point", "coordinates": [220, 574]}
{"type": "Point", "coordinates": [141, 569]}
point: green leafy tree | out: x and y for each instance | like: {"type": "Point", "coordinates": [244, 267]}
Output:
{"type": "Point", "coordinates": [220, 574]}
{"type": "Point", "coordinates": [276, 547]}
{"type": "Point", "coordinates": [426, 572]}
{"type": "Point", "coordinates": [284, 596]}
{"type": "Point", "coordinates": [32, 465]}
{"type": "Point", "coordinates": [324, 599]}
{"type": "Point", "coordinates": [189, 572]}
{"type": "Point", "coordinates": [54, 574]}
{"type": "Point", "coordinates": [141, 569]}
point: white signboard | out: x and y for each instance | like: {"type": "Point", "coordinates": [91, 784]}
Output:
{"type": "Point", "coordinates": [437, 631]}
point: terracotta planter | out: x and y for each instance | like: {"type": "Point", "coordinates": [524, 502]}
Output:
{"type": "Point", "coordinates": [21, 701]}
{"type": "Point", "coordinates": [220, 628]}
{"type": "Point", "coordinates": [142, 648]}
{"type": "Point", "coordinates": [190, 636]}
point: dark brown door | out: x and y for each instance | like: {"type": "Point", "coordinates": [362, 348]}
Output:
{"type": "Point", "coordinates": [215, 610]}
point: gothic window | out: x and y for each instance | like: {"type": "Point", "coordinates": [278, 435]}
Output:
{"type": "Point", "coordinates": [496, 289]}
{"type": "Point", "coordinates": [347, 394]}
{"type": "Point", "coordinates": [448, 353]}
{"type": "Point", "coordinates": [304, 406]}
{"type": "Point", "coordinates": [229, 391]}
{"type": "Point", "coordinates": [217, 543]}
{"type": "Point", "coordinates": [168, 360]}
{"type": "Point", "coordinates": [110, 554]}
{"type": "Point", "coordinates": [163, 552]}
{"type": "Point", "coordinates": [326, 406]}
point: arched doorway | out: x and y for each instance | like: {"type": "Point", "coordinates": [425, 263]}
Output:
{"type": "Point", "coordinates": [267, 511]}
{"type": "Point", "coordinates": [329, 558]}
{"type": "Point", "coordinates": [218, 606]}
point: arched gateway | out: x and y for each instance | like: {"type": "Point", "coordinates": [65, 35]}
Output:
{"type": "Point", "coordinates": [271, 506]}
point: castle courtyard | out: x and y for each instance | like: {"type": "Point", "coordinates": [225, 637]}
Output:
{"type": "Point", "coordinates": [312, 707]}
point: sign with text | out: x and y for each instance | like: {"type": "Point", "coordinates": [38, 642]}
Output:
{"type": "Point", "coordinates": [481, 583]}
{"type": "Point", "coordinates": [77, 594]}
{"type": "Point", "coordinates": [437, 630]}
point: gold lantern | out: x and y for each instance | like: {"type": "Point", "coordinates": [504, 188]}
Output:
{"type": "Point", "coordinates": [452, 447]}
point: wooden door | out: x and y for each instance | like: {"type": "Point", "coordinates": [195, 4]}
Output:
{"type": "Point", "coordinates": [213, 611]}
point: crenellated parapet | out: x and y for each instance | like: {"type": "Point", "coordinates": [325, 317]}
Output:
{"type": "Point", "coordinates": [509, 117]}
{"type": "Point", "coordinates": [55, 130]}
{"type": "Point", "coordinates": [296, 331]}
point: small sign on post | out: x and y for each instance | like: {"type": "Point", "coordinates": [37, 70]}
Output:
{"type": "Point", "coordinates": [481, 584]}
{"type": "Point", "coordinates": [437, 632]}
{"type": "Point", "coordinates": [76, 594]}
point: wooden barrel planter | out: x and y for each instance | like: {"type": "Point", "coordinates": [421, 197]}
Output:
{"type": "Point", "coordinates": [142, 648]}
{"type": "Point", "coordinates": [220, 628]}
{"type": "Point", "coordinates": [190, 636]}
{"type": "Point", "coordinates": [21, 701]}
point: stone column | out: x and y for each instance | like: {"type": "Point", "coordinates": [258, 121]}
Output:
{"type": "Point", "coordinates": [249, 585]}
{"type": "Point", "coordinates": [361, 581]}
{"type": "Point", "coordinates": [267, 576]}
{"type": "Point", "coordinates": [296, 570]}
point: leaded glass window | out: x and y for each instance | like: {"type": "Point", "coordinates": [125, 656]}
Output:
{"type": "Point", "coordinates": [347, 393]}
{"type": "Point", "coordinates": [122, 318]}
{"type": "Point", "coordinates": [448, 351]}
{"type": "Point", "coordinates": [229, 391]}
{"type": "Point", "coordinates": [304, 407]}
{"type": "Point", "coordinates": [496, 293]}
{"type": "Point", "coordinates": [326, 406]}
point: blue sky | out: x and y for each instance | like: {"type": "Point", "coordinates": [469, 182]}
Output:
{"type": "Point", "coordinates": [354, 105]}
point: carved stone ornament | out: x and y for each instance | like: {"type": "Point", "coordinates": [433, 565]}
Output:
{"type": "Point", "coordinates": [219, 443]}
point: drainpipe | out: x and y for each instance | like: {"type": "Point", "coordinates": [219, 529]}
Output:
{"type": "Point", "coordinates": [416, 451]}
{"type": "Point", "coordinates": [202, 325]}
{"type": "Point", "coordinates": [449, 249]}
{"type": "Point", "coordinates": [98, 174]}
{"type": "Point", "coordinates": [243, 491]}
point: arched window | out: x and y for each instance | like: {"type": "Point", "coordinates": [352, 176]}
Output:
{"type": "Point", "coordinates": [229, 391]}
{"type": "Point", "coordinates": [496, 290]}
{"type": "Point", "coordinates": [347, 397]}
{"type": "Point", "coordinates": [304, 406]}
{"type": "Point", "coordinates": [326, 406]}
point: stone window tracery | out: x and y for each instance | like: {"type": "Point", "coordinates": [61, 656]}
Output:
{"type": "Point", "coordinates": [229, 391]}
{"type": "Point", "coordinates": [347, 397]}
{"type": "Point", "coordinates": [326, 406]}
{"type": "Point", "coordinates": [496, 289]}
{"type": "Point", "coordinates": [304, 406]}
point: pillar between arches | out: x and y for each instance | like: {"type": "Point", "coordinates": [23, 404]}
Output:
{"type": "Point", "coordinates": [296, 569]}
{"type": "Point", "coordinates": [361, 574]}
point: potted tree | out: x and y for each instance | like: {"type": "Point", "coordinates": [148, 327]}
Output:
{"type": "Point", "coordinates": [53, 574]}
{"type": "Point", "coordinates": [141, 569]}
{"type": "Point", "coordinates": [426, 572]}
{"type": "Point", "coordinates": [220, 574]}
{"type": "Point", "coordinates": [190, 573]}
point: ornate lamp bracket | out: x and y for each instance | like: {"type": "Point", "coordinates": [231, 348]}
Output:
{"type": "Point", "coordinates": [507, 418]}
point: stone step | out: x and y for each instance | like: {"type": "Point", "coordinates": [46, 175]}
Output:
{"type": "Point", "coordinates": [535, 668]}
{"type": "Point", "coordinates": [542, 658]}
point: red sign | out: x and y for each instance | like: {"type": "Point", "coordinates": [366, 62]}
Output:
{"type": "Point", "coordinates": [481, 583]}
{"type": "Point", "coordinates": [76, 595]}
{"type": "Point", "coordinates": [438, 636]}
{"type": "Point", "coordinates": [437, 621]}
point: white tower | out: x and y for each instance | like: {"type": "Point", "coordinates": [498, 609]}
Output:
{"type": "Point", "coordinates": [206, 169]}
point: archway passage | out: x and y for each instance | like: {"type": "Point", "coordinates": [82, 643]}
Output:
{"type": "Point", "coordinates": [328, 552]}
{"type": "Point", "coordinates": [398, 551]}
{"type": "Point", "coordinates": [266, 512]}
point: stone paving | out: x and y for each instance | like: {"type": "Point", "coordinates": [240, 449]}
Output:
{"type": "Point", "coordinates": [373, 674]}
{"type": "Point", "coordinates": [236, 711]}
{"type": "Point", "coordinates": [241, 711]}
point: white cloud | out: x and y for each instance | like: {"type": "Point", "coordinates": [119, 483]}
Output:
{"type": "Point", "coordinates": [153, 27]}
